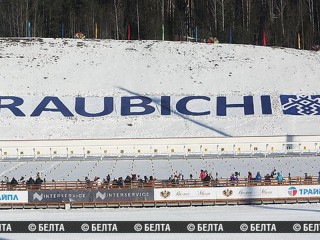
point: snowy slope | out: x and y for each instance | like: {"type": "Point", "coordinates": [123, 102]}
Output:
{"type": "Point", "coordinates": [69, 68]}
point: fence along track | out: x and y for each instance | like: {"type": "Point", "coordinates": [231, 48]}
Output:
{"type": "Point", "coordinates": [82, 185]}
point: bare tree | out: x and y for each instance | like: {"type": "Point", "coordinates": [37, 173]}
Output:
{"type": "Point", "coordinates": [27, 16]}
{"type": "Point", "coordinates": [311, 13]}
{"type": "Point", "coordinates": [281, 6]}
{"type": "Point", "coordinates": [213, 10]}
{"type": "Point", "coordinates": [282, 19]}
{"type": "Point", "coordinates": [248, 14]}
{"type": "Point", "coordinates": [138, 20]}
{"type": "Point", "coordinates": [35, 17]}
{"type": "Point", "coordinates": [115, 2]}
{"type": "Point", "coordinates": [318, 16]}
{"type": "Point", "coordinates": [271, 10]}
{"type": "Point", "coordinates": [222, 3]}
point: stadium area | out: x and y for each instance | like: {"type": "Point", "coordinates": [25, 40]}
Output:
{"type": "Point", "coordinates": [102, 109]}
{"type": "Point", "coordinates": [83, 115]}
{"type": "Point", "coordinates": [161, 167]}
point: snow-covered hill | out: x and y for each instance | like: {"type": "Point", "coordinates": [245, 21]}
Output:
{"type": "Point", "coordinates": [55, 88]}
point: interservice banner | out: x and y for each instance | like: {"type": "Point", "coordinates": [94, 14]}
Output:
{"type": "Point", "coordinates": [110, 195]}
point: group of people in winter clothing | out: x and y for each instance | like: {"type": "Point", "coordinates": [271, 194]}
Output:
{"type": "Point", "coordinates": [204, 176]}
{"type": "Point", "coordinates": [267, 178]}
{"type": "Point", "coordinates": [176, 178]}
{"type": "Point", "coordinates": [117, 181]}
{"type": "Point", "coordinates": [30, 183]}
{"type": "Point", "coordinates": [234, 178]}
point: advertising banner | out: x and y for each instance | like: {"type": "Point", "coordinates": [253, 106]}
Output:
{"type": "Point", "coordinates": [241, 193]}
{"type": "Point", "coordinates": [300, 191]}
{"type": "Point", "coordinates": [13, 197]}
{"type": "Point", "coordinates": [164, 194]}
{"type": "Point", "coordinates": [59, 196]}
{"type": "Point", "coordinates": [110, 195]}
{"type": "Point", "coordinates": [116, 195]}
{"type": "Point", "coordinates": [184, 193]}
{"type": "Point", "coordinates": [251, 192]}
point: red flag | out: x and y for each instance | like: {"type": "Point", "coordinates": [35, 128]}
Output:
{"type": "Point", "coordinates": [129, 32]}
{"type": "Point", "coordinates": [264, 39]}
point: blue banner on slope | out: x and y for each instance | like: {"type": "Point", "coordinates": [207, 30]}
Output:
{"type": "Point", "coordinates": [300, 104]}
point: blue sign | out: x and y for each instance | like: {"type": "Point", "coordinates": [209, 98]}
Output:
{"type": "Point", "coordinates": [309, 191]}
{"type": "Point", "coordinates": [197, 105]}
{"type": "Point", "coordinates": [300, 105]}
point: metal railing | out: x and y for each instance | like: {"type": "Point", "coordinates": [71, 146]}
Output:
{"type": "Point", "coordinates": [189, 183]}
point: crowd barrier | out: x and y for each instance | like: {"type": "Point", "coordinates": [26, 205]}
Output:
{"type": "Point", "coordinates": [161, 194]}
{"type": "Point", "coordinates": [187, 183]}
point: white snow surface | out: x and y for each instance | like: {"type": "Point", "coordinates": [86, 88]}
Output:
{"type": "Point", "coordinates": [69, 68]}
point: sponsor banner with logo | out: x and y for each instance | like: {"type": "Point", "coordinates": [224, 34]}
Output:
{"type": "Point", "coordinates": [219, 193]}
{"type": "Point", "coordinates": [13, 197]}
{"type": "Point", "coordinates": [272, 192]}
{"type": "Point", "coordinates": [60, 196]}
{"type": "Point", "coordinates": [241, 193]}
{"type": "Point", "coordinates": [116, 195]}
{"type": "Point", "coordinates": [301, 191]}
{"type": "Point", "coordinates": [248, 192]}
{"type": "Point", "coordinates": [111, 195]}
{"type": "Point", "coordinates": [184, 193]}
{"type": "Point", "coordinates": [132, 195]}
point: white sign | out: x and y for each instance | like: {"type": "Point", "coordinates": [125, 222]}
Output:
{"type": "Point", "coordinates": [13, 197]}
{"type": "Point", "coordinates": [247, 192]}
{"type": "Point", "coordinates": [241, 193]}
{"type": "Point", "coordinates": [184, 193]}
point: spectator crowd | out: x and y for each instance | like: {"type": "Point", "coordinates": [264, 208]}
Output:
{"type": "Point", "coordinates": [274, 176]}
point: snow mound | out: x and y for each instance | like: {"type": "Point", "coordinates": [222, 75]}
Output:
{"type": "Point", "coordinates": [155, 89]}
